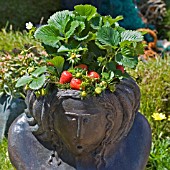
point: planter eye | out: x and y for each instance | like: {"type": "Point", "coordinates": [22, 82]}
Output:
{"type": "Point", "coordinates": [86, 120]}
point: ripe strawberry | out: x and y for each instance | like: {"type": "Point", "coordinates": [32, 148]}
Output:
{"type": "Point", "coordinates": [93, 74]}
{"type": "Point", "coordinates": [121, 68]}
{"type": "Point", "coordinates": [65, 77]}
{"type": "Point", "coordinates": [75, 83]}
{"type": "Point", "coordinates": [82, 66]}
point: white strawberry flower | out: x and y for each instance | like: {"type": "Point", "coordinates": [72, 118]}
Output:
{"type": "Point", "coordinates": [29, 25]}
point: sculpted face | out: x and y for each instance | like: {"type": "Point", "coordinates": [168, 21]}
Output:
{"type": "Point", "coordinates": [80, 125]}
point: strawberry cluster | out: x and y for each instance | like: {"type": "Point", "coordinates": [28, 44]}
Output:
{"type": "Point", "coordinates": [80, 78]}
{"type": "Point", "coordinates": [75, 80]}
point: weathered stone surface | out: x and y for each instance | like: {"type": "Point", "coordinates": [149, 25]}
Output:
{"type": "Point", "coordinates": [64, 132]}
{"type": "Point", "coordinates": [10, 108]}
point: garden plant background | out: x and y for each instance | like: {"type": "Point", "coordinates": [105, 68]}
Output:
{"type": "Point", "coordinates": [152, 77]}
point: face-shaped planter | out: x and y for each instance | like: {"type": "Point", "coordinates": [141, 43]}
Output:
{"type": "Point", "coordinates": [90, 134]}
{"type": "Point", "coordinates": [84, 125]}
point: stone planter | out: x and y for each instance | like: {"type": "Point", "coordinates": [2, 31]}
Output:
{"type": "Point", "coordinates": [10, 109]}
{"type": "Point", "coordinates": [61, 131]}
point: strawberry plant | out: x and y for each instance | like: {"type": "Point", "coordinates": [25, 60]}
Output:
{"type": "Point", "coordinates": [86, 51]}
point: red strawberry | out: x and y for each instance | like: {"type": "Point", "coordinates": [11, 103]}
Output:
{"type": "Point", "coordinates": [75, 83]}
{"type": "Point", "coordinates": [93, 74]}
{"type": "Point", "coordinates": [65, 77]}
{"type": "Point", "coordinates": [82, 66]}
{"type": "Point", "coordinates": [121, 68]}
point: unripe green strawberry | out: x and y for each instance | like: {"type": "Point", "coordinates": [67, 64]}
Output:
{"type": "Point", "coordinates": [43, 91]}
{"type": "Point", "coordinates": [78, 75]}
{"type": "Point", "coordinates": [26, 87]}
{"type": "Point", "coordinates": [83, 94]}
{"type": "Point", "coordinates": [98, 90]}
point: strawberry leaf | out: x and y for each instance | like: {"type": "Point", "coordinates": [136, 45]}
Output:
{"type": "Point", "coordinates": [37, 83]}
{"type": "Point", "coordinates": [39, 71]}
{"type": "Point", "coordinates": [86, 10]}
{"type": "Point", "coordinates": [48, 35]}
{"type": "Point", "coordinates": [58, 62]}
{"type": "Point", "coordinates": [130, 35]}
{"type": "Point", "coordinates": [72, 29]}
{"type": "Point", "coordinates": [23, 81]}
{"type": "Point", "coordinates": [60, 19]}
{"type": "Point", "coordinates": [108, 36]}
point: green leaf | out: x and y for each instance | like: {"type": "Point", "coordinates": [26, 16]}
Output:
{"type": "Point", "coordinates": [118, 73]}
{"type": "Point", "coordinates": [102, 60]}
{"type": "Point", "coordinates": [130, 35]}
{"type": "Point", "coordinates": [111, 75]}
{"type": "Point", "coordinates": [23, 81]}
{"type": "Point", "coordinates": [108, 36]}
{"type": "Point", "coordinates": [103, 47]}
{"type": "Point", "coordinates": [110, 20]}
{"type": "Point", "coordinates": [96, 22]}
{"type": "Point", "coordinates": [58, 62]}
{"type": "Point", "coordinates": [129, 62]}
{"type": "Point", "coordinates": [105, 75]}
{"type": "Point", "coordinates": [86, 10]}
{"type": "Point", "coordinates": [125, 51]}
{"type": "Point", "coordinates": [111, 66]}
{"type": "Point", "coordinates": [73, 27]}
{"type": "Point", "coordinates": [39, 71]}
{"type": "Point", "coordinates": [48, 35]}
{"type": "Point", "coordinates": [81, 20]}
{"type": "Point", "coordinates": [81, 27]}
{"type": "Point", "coordinates": [60, 19]}
{"type": "Point", "coordinates": [37, 83]}
{"type": "Point", "coordinates": [49, 49]}
{"type": "Point", "coordinates": [90, 36]}
{"type": "Point", "coordinates": [51, 70]}
{"type": "Point", "coordinates": [63, 49]}
{"type": "Point", "coordinates": [118, 58]}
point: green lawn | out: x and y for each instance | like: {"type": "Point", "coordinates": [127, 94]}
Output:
{"type": "Point", "coordinates": [5, 163]}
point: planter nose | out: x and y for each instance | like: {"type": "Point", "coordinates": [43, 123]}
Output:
{"type": "Point", "coordinates": [80, 119]}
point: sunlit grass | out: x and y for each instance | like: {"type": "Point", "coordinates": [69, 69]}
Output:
{"type": "Point", "coordinates": [153, 79]}
{"type": "Point", "coordinates": [5, 163]}
{"type": "Point", "coordinates": [15, 39]}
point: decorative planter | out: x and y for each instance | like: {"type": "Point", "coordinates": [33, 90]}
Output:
{"type": "Point", "coordinates": [10, 109]}
{"type": "Point", "coordinates": [61, 131]}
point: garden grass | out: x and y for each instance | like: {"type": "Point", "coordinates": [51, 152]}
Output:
{"type": "Point", "coordinates": [15, 39]}
{"type": "Point", "coordinates": [154, 82]}
{"type": "Point", "coordinates": [5, 163]}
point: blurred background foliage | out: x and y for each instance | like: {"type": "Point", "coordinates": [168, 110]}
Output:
{"type": "Point", "coordinates": [17, 12]}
